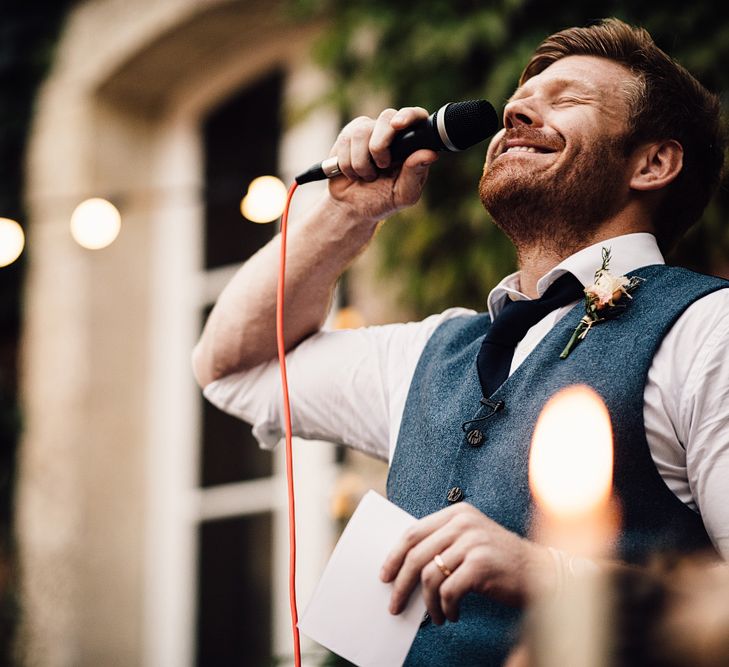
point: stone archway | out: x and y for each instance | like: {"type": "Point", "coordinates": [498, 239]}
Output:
{"type": "Point", "coordinates": [108, 397]}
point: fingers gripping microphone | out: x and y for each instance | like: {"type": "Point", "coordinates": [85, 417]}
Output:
{"type": "Point", "coordinates": [454, 127]}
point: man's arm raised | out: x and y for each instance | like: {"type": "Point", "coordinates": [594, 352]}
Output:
{"type": "Point", "coordinates": [240, 332]}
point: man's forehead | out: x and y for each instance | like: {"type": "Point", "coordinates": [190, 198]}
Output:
{"type": "Point", "coordinates": [591, 75]}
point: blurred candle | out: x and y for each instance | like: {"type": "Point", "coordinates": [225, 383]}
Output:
{"type": "Point", "coordinates": [571, 474]}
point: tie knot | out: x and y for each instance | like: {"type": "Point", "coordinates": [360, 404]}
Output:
{"type": "Point", "coordinates": [517, 317]}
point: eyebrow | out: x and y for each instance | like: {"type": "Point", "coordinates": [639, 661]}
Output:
{"type": "Point", "coordinates": [561, 83]}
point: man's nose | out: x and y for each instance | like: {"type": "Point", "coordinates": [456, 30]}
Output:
{"type": "Point", "coordinates": [521, 112]}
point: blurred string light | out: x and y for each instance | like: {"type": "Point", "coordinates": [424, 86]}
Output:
{"type": "Point", "coordinates": [265, 199]}
{"type": "Point", "coordinates": [95, 223]}
{"type": "Point", "coordinates": [12, 241]}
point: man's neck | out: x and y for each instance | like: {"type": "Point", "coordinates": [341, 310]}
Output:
{"type": "Point", "coordinates": [533, 264]}
{"type": "Point", "coordinates": [536, 261]}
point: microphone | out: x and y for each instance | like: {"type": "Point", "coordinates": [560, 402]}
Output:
{"type": "Point", "coordinates": [454, 127]}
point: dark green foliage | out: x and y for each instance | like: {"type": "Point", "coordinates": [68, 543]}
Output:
{"type": "Point", "coordinates": [446, 252]}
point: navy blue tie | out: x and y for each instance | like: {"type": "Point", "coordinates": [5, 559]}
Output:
{"type": "Point", "coordinates": [512, 324]}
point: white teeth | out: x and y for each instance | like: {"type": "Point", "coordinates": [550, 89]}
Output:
{"type": "Point", "coordinates": [522, 149]}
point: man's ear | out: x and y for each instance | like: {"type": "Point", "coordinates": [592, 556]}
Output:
{"type": "Point", "coordinates": [656, 165]}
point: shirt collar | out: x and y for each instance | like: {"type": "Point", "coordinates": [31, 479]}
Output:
{"type": "Point", "coordinates": [627, 253]}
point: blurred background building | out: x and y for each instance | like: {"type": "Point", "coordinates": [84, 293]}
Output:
{"type": "Point", "coordinates": [149, 529]}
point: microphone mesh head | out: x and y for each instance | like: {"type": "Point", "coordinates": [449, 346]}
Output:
{"type": "Point", "coordinates": [469, 122]}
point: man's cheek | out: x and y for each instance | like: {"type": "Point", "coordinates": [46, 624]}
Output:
{"type": "Point", "coordinates": [493, 149]}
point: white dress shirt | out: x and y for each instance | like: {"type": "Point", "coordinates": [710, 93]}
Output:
{"type": "Point", "coordinates": [350, 386]}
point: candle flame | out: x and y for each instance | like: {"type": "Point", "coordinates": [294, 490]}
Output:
{"type": "Point", "coordinates": [571, 460]}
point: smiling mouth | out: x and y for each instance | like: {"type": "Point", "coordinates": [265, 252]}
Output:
{"type": "Point", "coordinates": [527, 149]}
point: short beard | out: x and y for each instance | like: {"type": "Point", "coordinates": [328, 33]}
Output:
{"type": "Point", "coordinates": [556, 212]}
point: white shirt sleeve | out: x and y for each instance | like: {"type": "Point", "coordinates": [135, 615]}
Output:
{"type": "Point", "coordinates": [346, 386]}
{"type": "Point", "coordinates": [687, 403]}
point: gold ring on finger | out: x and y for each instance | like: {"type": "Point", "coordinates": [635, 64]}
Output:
{"type": "Point", "coordinates": [442, 566]}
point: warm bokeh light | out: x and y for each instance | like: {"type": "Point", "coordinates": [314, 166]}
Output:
{"type": "Point", "coordinates": [348, 318]}
{"type": "Point", "coordinates": [12, 241]}
{"type": "Point", "coordinates": [95, 223]}
{"type": "Point", "coordinates": [265, 199]}
{"type": "Point", "coordinates": [571, 460]}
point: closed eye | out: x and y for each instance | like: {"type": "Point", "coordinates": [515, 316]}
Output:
{"type": "Point", "coordinates": [566, 101]}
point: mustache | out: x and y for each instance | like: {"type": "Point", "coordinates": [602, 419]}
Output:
{"type": "Point", "coordinates": [532, 135]}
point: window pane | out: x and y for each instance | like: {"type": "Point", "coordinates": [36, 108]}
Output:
{"type": "Point", "coordinates": [234, 580]}
{"type": "Point", "coordinates": [230, 453]}
{"type": "Point", "coordinates": [241, 143]}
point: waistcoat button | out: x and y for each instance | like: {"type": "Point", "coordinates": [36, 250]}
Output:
{"type": "Point", "coordinates": [455, 494]}
{"type": "Point", "coordinates": [475, 438]}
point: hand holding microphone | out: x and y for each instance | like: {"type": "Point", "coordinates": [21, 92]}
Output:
{"type": "Point", "coordinates": [364, 144]}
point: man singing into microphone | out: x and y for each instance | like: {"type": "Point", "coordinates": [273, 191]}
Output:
{"type": "Point", "coordinates": [608, 148]}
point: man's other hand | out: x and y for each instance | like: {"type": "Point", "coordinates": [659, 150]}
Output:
{"type": "Point", "coordinates": [481, 556]}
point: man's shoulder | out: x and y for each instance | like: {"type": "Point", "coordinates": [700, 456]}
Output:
{"type": "Point", "coordinates": [681, 295]}
{"type": "Point", "coordinates": [678, 281]}
{"type": "Point", "coordinates": [459, 330]}
{"type": "Point", "coordinates": [680, 273]}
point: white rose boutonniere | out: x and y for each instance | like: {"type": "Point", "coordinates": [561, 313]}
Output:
{"type": "Point", "coordinates": [603, 300]}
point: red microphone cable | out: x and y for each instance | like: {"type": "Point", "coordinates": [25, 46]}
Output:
{"type": "Point", "coordinates": [287, 424]}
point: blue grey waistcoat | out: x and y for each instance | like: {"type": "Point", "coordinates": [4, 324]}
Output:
{"type": "Point", "coordinates": [433, 456]}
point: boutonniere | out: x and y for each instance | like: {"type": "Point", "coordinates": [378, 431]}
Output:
{"type": "Point", "coordinates": [603, 301]}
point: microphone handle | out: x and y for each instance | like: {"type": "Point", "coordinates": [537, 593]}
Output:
{"type": "Point", "coordinates": [417, 136]}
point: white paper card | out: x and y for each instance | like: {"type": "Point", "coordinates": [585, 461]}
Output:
{"type": "Point", "coordinates": [348, 613]}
